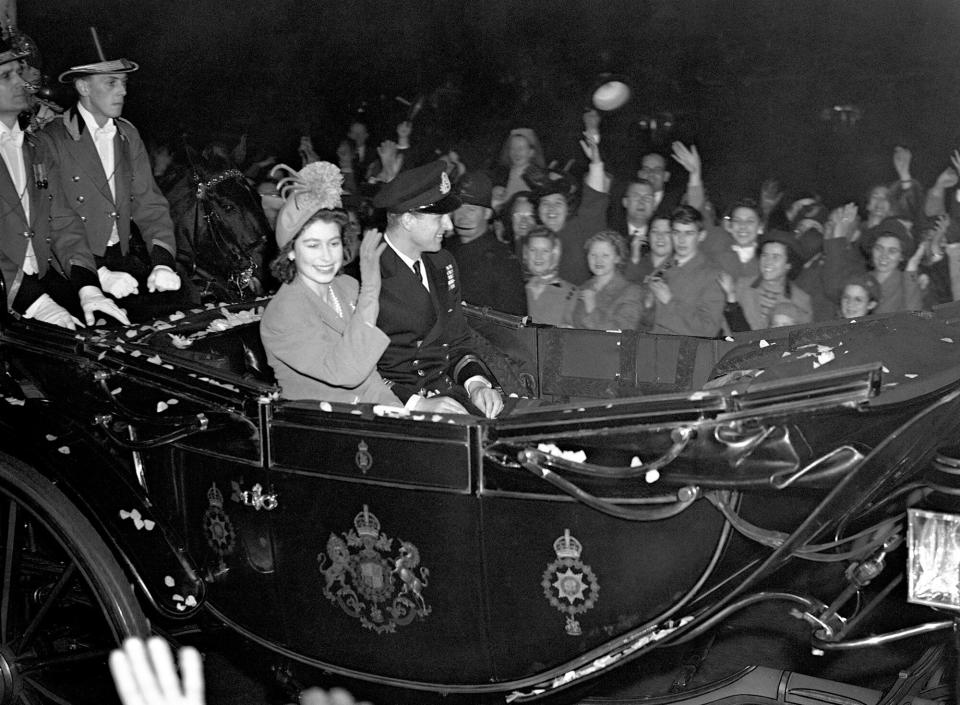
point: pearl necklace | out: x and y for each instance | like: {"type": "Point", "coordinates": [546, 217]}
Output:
{"type": "Point", "coordinates": [334, 301]}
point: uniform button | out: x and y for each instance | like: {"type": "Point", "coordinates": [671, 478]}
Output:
{"type": "Point", "coordinates": [81, 199]}
{"type": "Point", "coordinates": [83, 219]}
{"type": "Point", "coordinates": [113, 214]}
{"type": "Point", "coordinates": [50, 197]}
{"type": "Point", "coordinates": [416, 362]}
{"type": "Point", "coordinates": [421, 373]}
{"type": "Point", "coordinates": [47, 239]}
{"type": "Point", "coordinates": [76, 178]}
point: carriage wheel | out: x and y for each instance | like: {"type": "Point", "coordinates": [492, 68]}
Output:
{"type": "Point", "coordinates": [64, 600]}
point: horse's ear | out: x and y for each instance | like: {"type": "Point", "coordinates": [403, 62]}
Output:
{"type": "Point", "coordinates": [193, 158]}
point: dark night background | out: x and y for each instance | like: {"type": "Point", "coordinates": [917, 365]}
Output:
{"type": "Point", "coordinates": [746, 80]}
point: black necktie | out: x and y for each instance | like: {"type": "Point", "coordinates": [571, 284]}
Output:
{"type": "Point", "coordinates": [416, 270]}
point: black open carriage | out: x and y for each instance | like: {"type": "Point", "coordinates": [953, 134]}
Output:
{"type": "Point", "coordinates": [657, 488]}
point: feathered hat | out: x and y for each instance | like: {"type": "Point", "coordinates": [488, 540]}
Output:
{"type": "Point", "coordinates": [100, 64]}
{"type": "Point", "coordinates": [317, 186]}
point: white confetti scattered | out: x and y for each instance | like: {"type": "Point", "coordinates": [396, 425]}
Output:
{"type": "Point", "coordinates": [577, 456]}
{"type": "Point", "coordinates": [155, 359]}
{"type": "Point", "coordinates": [13, 401]}
{"type": "Point", "coordinates": [166, 366]}
{"type": "Point", "coordinates": [179, 341]}
{"type": "Point", "coordinates": [729, 338]}
{"type": "Point", "coordinates": [64, 449]}
{"type": "Point", "coordinates": [171, 402]}
{"type": "Point", "coordinates": [824, 357]}
{"type": "Point", "coordinates": [119, 348]}
{"type": "Point", "coordinates": [191, 601]}
{"type": "Point", "coordinates": [885, 370]}
{"type": "Point", "coordinates": [786, 354]}
{"type": "Point", "coordinates": [116, 391]}
{"type": "Point", "coordinates": [131, 333]}
{"type": "Point", "coordinates": [102, 355]}
{"type": "Point", "coordinates": [162, 325]}
{"type": "Point", "coordinates": [177, 598]}
{"type": "Point", "coordinates": [652, 476]}
{"type": "Point", "coordinates": [148, 524]}
{"type": "Point", "coordinates": [100, 322]}
{"type": "Point", "coordinates": [436, 417]}
{"type": "Point", "coordinates": [909, 375]}
{"type": "Point", "coordinates": [135, 353]}
{"type": "Point", "coordinates": [168, 581]}
{"type": "Point", "coordinates": [947, 340]}
{"type": "Point", "coordinates": [326, 406]}
{"type": "Point", "coordinates": [763, 344]}
{"type": "Point", "coordinates": [51, 437]}
{"type": "Point", "coordinates": [697, 396]}
{"type": "Point", "coordinates": [635, 462]}
{"type": "Point", "coordinates": [161, 406]}
{"type": "Point", "coordinates": [177, 315]}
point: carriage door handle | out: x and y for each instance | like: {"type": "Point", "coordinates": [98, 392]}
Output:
{"type": "Point", "coordinates": [256, 498]}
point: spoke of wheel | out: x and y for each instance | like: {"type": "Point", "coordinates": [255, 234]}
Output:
{"type": "Point", "coordinates": [46, 692]}
{"type": "Point", "coordinates": [27, 665]}
{"type": "Point", "coordinates": [9, 551]}
{"type": "Point", "coordinates": [28, 634]}
{"type": "Point", "coordinates": [28, 698]}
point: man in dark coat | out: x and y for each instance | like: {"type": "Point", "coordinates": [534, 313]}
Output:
{"type": "Point", "coordinates": [29, 272]}
{"type": "Point", "coordinates": [429, 362]}
{"type": "Point", "coordinates": [489, 271]}
{"type": "Point", "coordinates": [106, 180]}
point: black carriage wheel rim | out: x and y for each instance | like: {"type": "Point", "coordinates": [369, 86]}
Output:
{"type": "Point", "coordinates": [64, 602]}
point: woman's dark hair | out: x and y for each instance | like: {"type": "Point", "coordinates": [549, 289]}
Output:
{"type": "Point", "coordinates": [285, 269]}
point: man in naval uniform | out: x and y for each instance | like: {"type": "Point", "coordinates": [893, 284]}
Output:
{"type": "Point", "coordinates": [428, 363]}
{"type": "Point", "coordinates": [25, 256]}
{"type": "Point", "coordinates": [105, 178]}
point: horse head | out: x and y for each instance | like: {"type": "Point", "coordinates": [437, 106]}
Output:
{"type": "Point", "coordinates": [221, 228]}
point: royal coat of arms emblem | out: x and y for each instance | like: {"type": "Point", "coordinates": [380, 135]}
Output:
{"type": "Point", "coordinates": [362, 575]}
{"type": "Point", "coordinates": [569, 584]}
{"type": "Point", "coordinates": [218, 528]}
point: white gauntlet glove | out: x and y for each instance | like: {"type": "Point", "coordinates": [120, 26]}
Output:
{"type": "Point", "coordinates": [92, 299]}
{"type": "Point", "coordinates": [47, 310]}
{"type": "Point", "coordinates": [162, 278]}
{"type": "Point", "coordinates": [117, 284]}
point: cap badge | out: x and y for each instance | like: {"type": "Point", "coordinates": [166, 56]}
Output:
{"type": "Point", "coordinates": [444, 183]}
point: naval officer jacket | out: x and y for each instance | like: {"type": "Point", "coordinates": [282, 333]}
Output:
{"type": "Point", "coordinates": [429, 347]}
{"type": "Point", "coordinates": [86, 194]}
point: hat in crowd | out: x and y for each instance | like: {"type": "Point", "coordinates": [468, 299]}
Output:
{"type": "Point", "coordinates": [317, 186]}
{"type": "Point", "coordinates": [476, 189]}
{"type": "Point", "coordinates": [816, 212]}
{"type": "Point", "coordinates": [426, 189]}
{"type": "Point", "coordinates": [889, 227]}
{"type": "Point", "coordinates": [546, 182]}
{"type": "Point", "coordinates": [97, 63]}
{"type": "Point", "coordinates": [789, 241]}
{"type": "Point", "coordinates": [11, 51]}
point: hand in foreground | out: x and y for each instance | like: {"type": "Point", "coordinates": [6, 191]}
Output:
{"type": "Point", "coordinates": [591, 125]}
{"type": "Point", "coordinates": [914, 262]}
{"type": "Point", "coordinates": [487, 400]}
{"type": "Point", "coordinates": [441, 405]}
{"type": "Point", "coordinates": [145, 674]}
{"type": "Point", "coordinates": [117, 284]}
{"type": "Point", "coordinates": [687, 157]}
{"type": "Point", "coordinates": [47, 310]}
{"type": "Point", "coordinates": [92, 299]}
{"type": "Point", "coordinates": [590, 144]}
{"type": "Point", "coordinates": [335, 696]}
{"type": "Point", "coordinates": [162, 278]}
{"type": "Point", "coordinates": [843, 221]}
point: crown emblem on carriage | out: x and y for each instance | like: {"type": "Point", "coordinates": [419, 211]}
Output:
{"type": "Point", "coordinates": [444, 183]}
{"type": "Point", "coordinates": [367, 524]}
{"type": "Point", "coordinates": [214, 496]}
{"type": "Point", "coordinates": [567, 546]}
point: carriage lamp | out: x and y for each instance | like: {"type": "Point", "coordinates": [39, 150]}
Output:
{"type": "Point", "coordinates": [933, 559]}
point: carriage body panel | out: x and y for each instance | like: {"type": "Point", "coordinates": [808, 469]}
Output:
{"type": "Point", "coordinates": [458, 554]}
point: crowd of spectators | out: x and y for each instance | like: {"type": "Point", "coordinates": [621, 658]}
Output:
{"type": "Point", "coordinates": [578, 246]}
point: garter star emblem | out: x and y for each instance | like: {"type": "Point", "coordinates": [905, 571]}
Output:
{"type": "Point", "coordinates": [363, 459]}
{"type": "Point", "coordinates": [444, 183]}
{"type": "Point", "coordinates": [568, 583]}
{"type": "Point", "coordinates": [368, 582]}
{"type": "Point", "coordinates": [218, 527]}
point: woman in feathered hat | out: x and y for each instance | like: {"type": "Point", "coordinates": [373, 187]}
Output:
{"type": "Point", "coordinates": [320, 331]}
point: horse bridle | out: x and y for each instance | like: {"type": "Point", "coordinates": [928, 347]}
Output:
{"type": "Point", "coordinates": [240, 278]}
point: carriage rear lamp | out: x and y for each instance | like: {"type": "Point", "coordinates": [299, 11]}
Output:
{"type": "Point", "coordinates": [933, 558]}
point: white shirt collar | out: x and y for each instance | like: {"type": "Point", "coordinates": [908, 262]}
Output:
{"type": "Point", "coordinates": [13, 131]}
{"type": "Point", "coordinates": [90, 121]}
{"type": "Point", "coordinates": [406, 260]}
